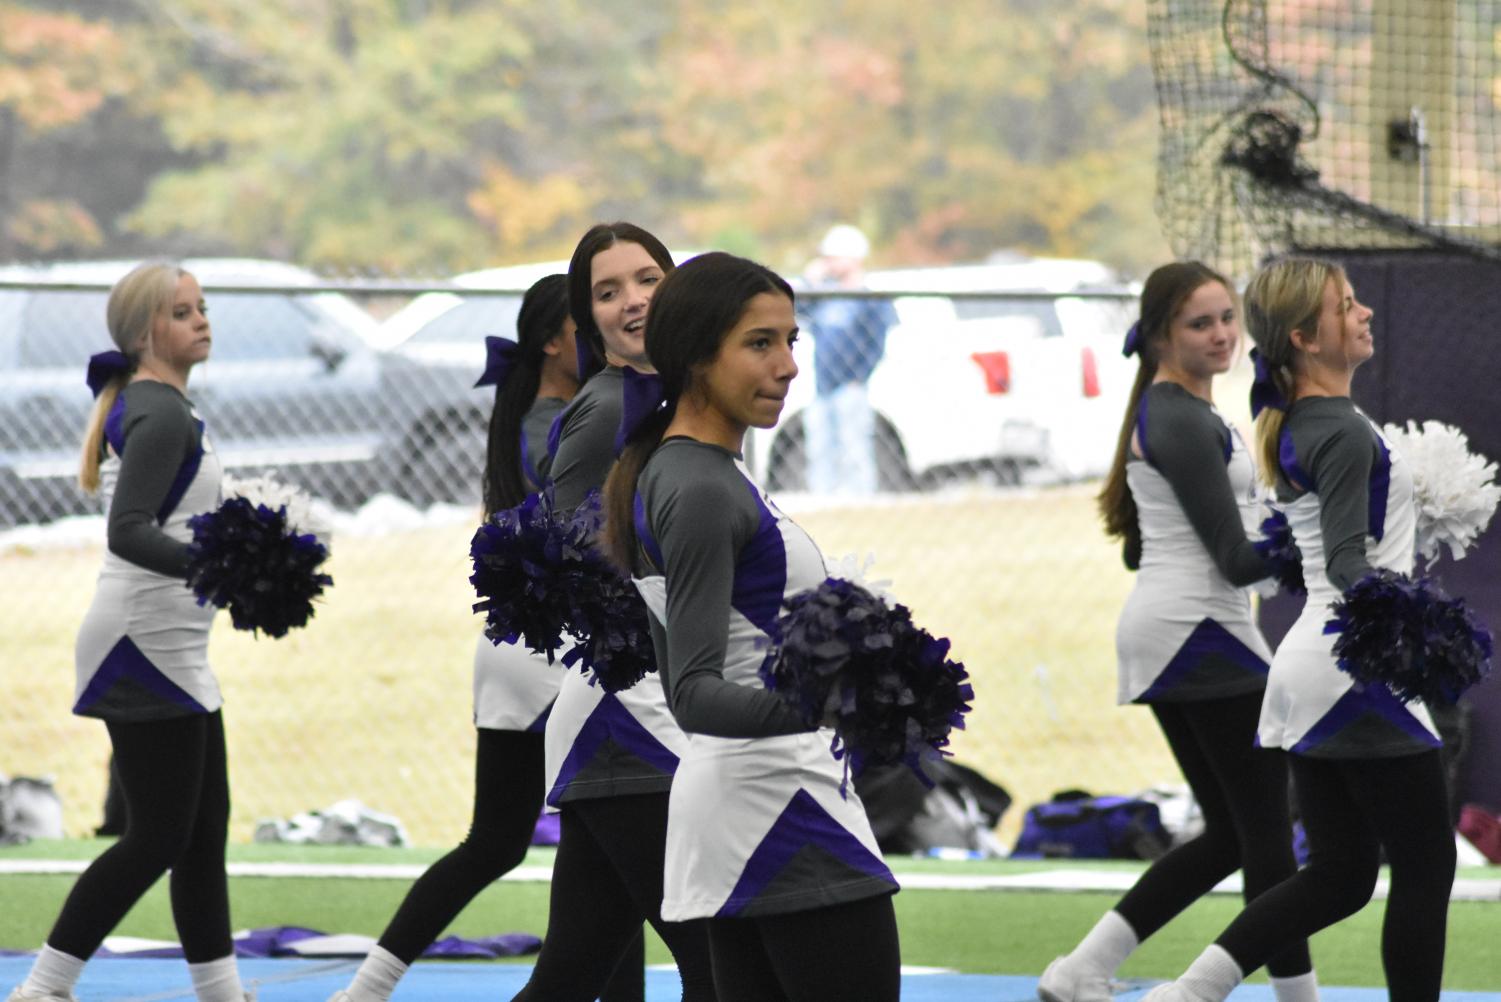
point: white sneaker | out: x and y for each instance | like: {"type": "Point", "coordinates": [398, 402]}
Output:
{"type": "Point", "coordinates": [1168, 991]}
{"type": "Point", "coordinates": [16, 996]}
{"type": "Point", "coordinates": [1066, 980]}
{"type": "Point", "coordinates": [341, 996]}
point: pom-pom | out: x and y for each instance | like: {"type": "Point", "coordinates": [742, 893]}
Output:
{"type": "Point", "coordinates": [1409, 636]}
{"type": "Point", "coordinates": [1278, 548]}
{"type": "Point", "coordinates": [520, 557]}
{"type": "Point", "coordinates": [1454, 489]}
{"type": "Point", "coordinates": [541, 579]}
{"type": "Point", "coordinates": [258, 556]}
{"type": "Point", "coordinates": [606, 613]}
{"type": "Point", "coordinates": [845, 657]}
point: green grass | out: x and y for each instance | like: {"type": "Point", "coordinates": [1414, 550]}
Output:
{"type": "Point", "coordinates": [372, 700]}
{"type": "Point", "coordinates": [1002, 932]}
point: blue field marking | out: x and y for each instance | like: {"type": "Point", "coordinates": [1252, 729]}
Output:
{"type": "Point", "coordinates": [141, 980]}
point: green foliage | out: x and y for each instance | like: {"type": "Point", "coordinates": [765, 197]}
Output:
{"type": "Point", "coordinates": [420, 137]}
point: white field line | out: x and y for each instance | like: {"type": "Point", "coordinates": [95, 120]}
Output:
{"type": "Point", "coordinates": [1465, 889]}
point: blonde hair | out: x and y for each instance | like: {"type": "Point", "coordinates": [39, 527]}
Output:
{"type": "Point", "coordinates": [134, 304]}
{"type": "Point", "coordinates": [1284, 296]}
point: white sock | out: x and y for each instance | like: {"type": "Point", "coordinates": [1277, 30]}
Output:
{"type": "Point", "coordinates": [1107, 945]}
{"type": "Point", "coordinates": [53, 973]}
{"type": "Point", "coordinates": [217, 980]}
{"type": "Point", "coordinates": [1213, 976]}
{"type": "Point", "coordinates": [1299, 988]}
{"type": "Point", "coordinates": [377, 977]}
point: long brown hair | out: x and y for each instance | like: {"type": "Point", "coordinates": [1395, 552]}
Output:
{"type": "Point", "coordinates": [1284, 296]}
{"type": "Point", "coordinates": [602, 236]}
{"type": "Point", "coordinates": [1163, 295]}
{"type": "Point", "coordinates": [134, 304]}
{"type": "Point", "coordinates": [691, 312]}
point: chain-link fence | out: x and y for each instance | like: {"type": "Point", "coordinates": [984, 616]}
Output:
{"type": "Point", "coordinates": [959, 446]}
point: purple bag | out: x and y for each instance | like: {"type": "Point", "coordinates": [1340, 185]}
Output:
{"type": "Point", "coordinates": [1075, 825]}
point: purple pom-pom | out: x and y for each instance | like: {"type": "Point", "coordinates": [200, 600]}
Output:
{"type": "Point", "coordinates": [1406, 634]}
{"type": "Point", "coordinates": [606, 613]}
{"type": "Point", "coordinates": [845, 655]}
{"type": "Point", "coordinates": [520, 557]}
{"type": "Point", "coordinates": [1278, 548]}
{"type": "Point", "coordinates": [245, 558]}
{"type": "Point", "coordinates": [540, 577]}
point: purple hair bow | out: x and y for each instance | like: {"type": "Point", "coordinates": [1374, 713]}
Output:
{"type": "Point", "coordinates": [1133, 340]}
{"type": "Point", "coordinates": [1264, 392]}
{"type": "Point", "coordinates": [104, 366]}
{"type": "Point", "coordinates": [643, 396]}
{"type": "Point", "coordinates": [500, 358]}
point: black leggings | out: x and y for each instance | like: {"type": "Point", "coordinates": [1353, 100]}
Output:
{"type": "Point", "coordinates": [1242, 791]}
{"type": "Point", "coordinates": [508, 779]}
{"type": "Point", "coordinates": [176, 785]}
{"type": "Point", "coordinates": [847, 951]}
{"type": "Point", "coordinates": [1352, 809]}
{"type": "Point", "coordinates": [606, 880]}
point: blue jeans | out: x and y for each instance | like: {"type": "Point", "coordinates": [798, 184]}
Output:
{"type": "Point", "coordinates": [840, 441]}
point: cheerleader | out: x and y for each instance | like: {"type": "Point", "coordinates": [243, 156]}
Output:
{"type": "Point", "coordinates": [1182, 494]}
{"type": "Point", "coordinates": [534, 378]}
{"type": "Point", "coordinates": [1366, 768]}
{"type": "Point", "coordinates": [609, 758]}
{"type": "Point", "coordinates": [142, 651]}
{"type": "Point", "coordinates": [760, 840]}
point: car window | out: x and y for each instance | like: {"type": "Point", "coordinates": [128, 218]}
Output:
{"type": "Point", "coordinates": [259, 328]}
{"type": "Point", "coordinates": [472, 319]}
{"type": "Point", "coordinates": [60, 329]}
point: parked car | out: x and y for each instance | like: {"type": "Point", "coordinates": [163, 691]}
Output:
{"type": "Point", "coordinates": [293, 383]}
{"type": "Point", "coordinates": [993, 386]}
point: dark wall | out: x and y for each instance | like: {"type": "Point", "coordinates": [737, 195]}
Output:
{"type": "Point", "coordinates": [1438, 357]}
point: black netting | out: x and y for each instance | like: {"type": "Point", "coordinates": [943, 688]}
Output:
{"type": "Point", "coordinates": [1353, 124]}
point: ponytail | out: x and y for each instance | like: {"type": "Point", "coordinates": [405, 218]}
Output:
{"type": "Point", "coordinates": [1284, 296]}
{"type": "Point", "coordinates": [1117, 505]}
{"type": "Point", "coordinates": [1163, 294]}
{"type": "Point", "coordinates": [505, 484]}
{"type": "Point", "coordinates": [130, 315]}
{"type": "Point", "coordinates": [516, 370]}
{"type": "Point", "coordinates": [93, 434]}
{"type": "Point", "coordinates": [620, 537]}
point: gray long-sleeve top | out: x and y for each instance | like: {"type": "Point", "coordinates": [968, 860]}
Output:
{"type": "Point", "coordinates": [706, 523]}
{"type": "Point", "coordinates": [153, 430]}
{"type": "Point", "coordinates": [1334, 451]}
{"type": "Point", "coordinates": [1188, 443]}
{"type": "Point", "coordinates": [586, 448]}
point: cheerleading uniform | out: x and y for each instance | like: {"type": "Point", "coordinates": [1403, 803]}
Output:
{"type": "Point", "coordinates": [142, 666]}
{"type": "Point", "coordinates": [142, 652]}
{"type": "Point", "coordinates": [610, 758]}
{"type": "Point", "coordinates": [759, 825]}
{"type": "Point", "coordinates": [1350, 508]}
{"type": "Point", "coordinates": [1188, 648]}
{"type": "Point", "coordinates": [1186, 633]}
{"type": "Point", "coordinates": [603, 744]}
{"type": "Point", "coordinates": [1366, 768]}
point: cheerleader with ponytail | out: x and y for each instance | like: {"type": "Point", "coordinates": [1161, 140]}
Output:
{"type": "Point", "coordinates": [610, 755]}
{"type": "Point", "coordinates": [535, 376]}
{"type": "Point", "coordinates": [1366, 766]}
{"type": "Point", "coordinates": [1183, 494]}
{"type": "Point", "coordinates": [142, 651]}
{"type": "Point", "coordinates": [762, 840]}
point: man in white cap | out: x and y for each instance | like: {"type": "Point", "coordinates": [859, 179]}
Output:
{"type": "Point", "coordinates": [849, 336]}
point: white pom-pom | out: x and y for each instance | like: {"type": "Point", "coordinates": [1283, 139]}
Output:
{"type": "Point", "coordinates": [303, 510]}
{"type": "Point", "coordinates": [855, 569]}
{"type": "Point", "coordinates": [1454, 489]}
